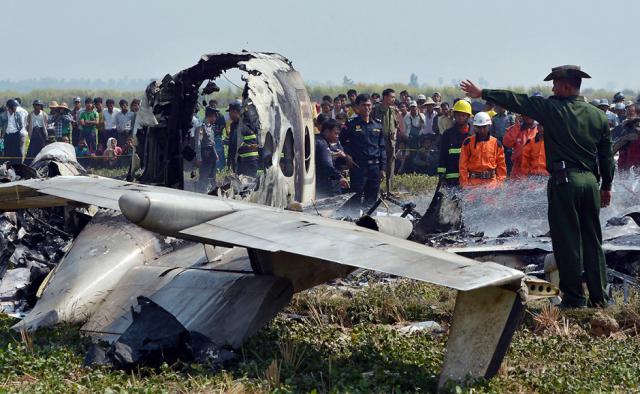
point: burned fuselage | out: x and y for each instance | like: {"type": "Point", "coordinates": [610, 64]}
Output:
{"type": "Point", "coordinates": [275, 103]}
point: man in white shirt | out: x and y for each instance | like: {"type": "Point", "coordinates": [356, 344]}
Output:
{"type": "Point", "coordinates": [124, 122]}
{"type": "Point", "coordinates": [15, 132]}
{"type": "Point", "coordinates": [110, 129]}
{"type": "Point", "coordinates": [429, 116]}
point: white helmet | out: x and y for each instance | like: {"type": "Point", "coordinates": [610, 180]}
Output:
{"type": "Point", "coordinates": [482, 119]}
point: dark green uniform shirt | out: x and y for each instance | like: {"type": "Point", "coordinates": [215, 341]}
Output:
{"type": "Point", "coordinates": [574, 131]}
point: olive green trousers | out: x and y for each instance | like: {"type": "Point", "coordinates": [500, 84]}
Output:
{"type": "Point", "coordinates": [574, 210]}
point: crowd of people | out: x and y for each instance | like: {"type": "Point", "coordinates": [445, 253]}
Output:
{"type": "Point", "coordinates": [361, 138]}
{"type": "Point", "coordinates": [366, 138]}
{"type": "Point", "coordinates": [97, 129]}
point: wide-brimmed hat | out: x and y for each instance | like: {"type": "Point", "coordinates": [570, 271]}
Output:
{"type": "Point", "coordinates": [429, 101]}
{"type": "Point", "coordinates": [63, 106]}
{"type": "Point", "coordinates": [53, 104]}
{"type": "Point", "coordinates": [566, 71]}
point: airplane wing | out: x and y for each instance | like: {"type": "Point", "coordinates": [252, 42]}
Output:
{"type": "Point", "coordinates": [218, 221]}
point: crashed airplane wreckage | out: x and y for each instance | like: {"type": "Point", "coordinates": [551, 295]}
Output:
{"type": "Point", "coordinates": [241, 262]}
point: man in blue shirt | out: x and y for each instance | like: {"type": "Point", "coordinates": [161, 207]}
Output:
{"type": "Point", "coordinates": [364, 141]}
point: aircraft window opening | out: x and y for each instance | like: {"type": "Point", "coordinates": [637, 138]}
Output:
{"type": "Point", "coordinates": [307, 149]}
{"type": "Point", "coordinates": [287, 154]}
{"type": "Point", "coordinates": [267, 151]}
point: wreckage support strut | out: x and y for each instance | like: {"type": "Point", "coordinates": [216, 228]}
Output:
{"type": "Point", "coordinates": [484, 321]}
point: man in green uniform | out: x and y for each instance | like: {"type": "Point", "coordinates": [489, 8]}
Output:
{"type": "Point", "coordinates": [386, 113]}
{"type": "Point", "coordinates": [577, 142]}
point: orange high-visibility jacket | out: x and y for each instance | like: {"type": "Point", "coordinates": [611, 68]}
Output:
{"type": "Point", "coordinates": [534, 160]}
{"type": "Point", "coordinates": [479, 156]}
{"type": "Point", "coordinates": [515, 138]}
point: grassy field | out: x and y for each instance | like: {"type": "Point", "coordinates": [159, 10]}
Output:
{"type": "Point", "coordinates": [335, 340]}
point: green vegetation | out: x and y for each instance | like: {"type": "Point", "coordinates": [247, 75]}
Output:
{"type": "Point", "coordinates": [315, 91]}
{"type": "Point", "coordinates": [340, 339]}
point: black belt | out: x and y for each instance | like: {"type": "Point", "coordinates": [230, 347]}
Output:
{"type": "Point", "coordinates": [559, 166]}
{"type": "Point", "coordinates": [489, 174]}
{"type": "Point", "coordinates": [560, 171]}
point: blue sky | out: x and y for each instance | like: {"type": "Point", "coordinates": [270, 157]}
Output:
{"type": "Point", "coordinates": [504, 42]}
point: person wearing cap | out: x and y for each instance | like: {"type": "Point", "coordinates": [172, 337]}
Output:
{"type": "Point", "coordinates": [12, 124]}
{"type": "Point", "coordinates": [618, 98]}
{"type": "Point", "coordinates": [482, 156]}
{"type": "Point", "coordinates": [429, 116]}
{"type": "Point", "coordinates": [578, 152]}
{"type": "Point", "coordinates": [62, 121]}
{"type": "Point", "coordinates": [436, 97]}
{"type": "Point", "coordinates": [387, 114]}
{"type": "Point", "coordinates": [413, 124]}
{"type": "Point", "coordinates": [451, 144]}
{"type": "Point", "coordinates": [621, 111]}
{"type": "Point", "coordinates": [603, 104]}
{"type": "Point", "coordinates": [37, 122]}
{"type": "Point", "coordinates": [206, 155]}
{"type": "Point", "coordinates": [364, 142]}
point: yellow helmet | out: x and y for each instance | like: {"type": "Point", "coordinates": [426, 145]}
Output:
{"type": "Point", "coordinates": [462, 106]}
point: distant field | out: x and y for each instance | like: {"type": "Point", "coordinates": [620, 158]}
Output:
{"type": "Point", "coordinates": [315, 91]}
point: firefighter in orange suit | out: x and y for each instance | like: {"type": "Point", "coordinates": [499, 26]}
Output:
{"type": "Point", "coordinates": [482, 157]}
{"type": "Point", "coordinates": [534, 160]}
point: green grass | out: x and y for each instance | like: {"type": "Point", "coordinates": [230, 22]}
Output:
{"type": "Point", "coordinates": [345, 342]}
{"type": "Point", "coordinates": [414, 183]}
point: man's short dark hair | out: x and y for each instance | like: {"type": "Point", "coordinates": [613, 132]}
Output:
{"type": "Point", "coordinates": [387, 92]}
{"type": "Point", "coordinates": [342, 96]}
{"type": "Point", "coordinates": [329, 125]}
{"type": "Point", "coordinates": [322, 119]}
{"type": "Point", "coordinates": [351, 91]}
{"type": "Point", "coordinates": [375, 95]}
{"type": "Point", "coordinates": [97, 100]}
{"type": "Point", "coordinates": [337, 98]}
{"type": "Point", "coordinates": [362, 97]}
{"type": "Point", "coordinates": [110, 101]}
{"type": "Point", "coordinates": [404, 92]}
{"type": "Point", "coordinates": [209, 111]}
{"type": "Point", "coordinates": [88, 100]}
{"type": "Point", "coordinates": [444, 104]}
{"type": "Point", "coordinates": [123, 102]}
{"type": "Point", "coordinates": [327, 98]}
{"type": "Point", "coordinates": [135, 101]}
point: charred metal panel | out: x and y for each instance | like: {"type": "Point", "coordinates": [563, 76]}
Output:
{"type": "Point", "coordinates": [226, 307]}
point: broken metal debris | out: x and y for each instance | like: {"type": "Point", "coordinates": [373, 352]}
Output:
{"type": "Point", "coordinates": [29, 251]}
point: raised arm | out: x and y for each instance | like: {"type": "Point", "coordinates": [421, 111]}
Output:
{"type": "Point", "coordinates": [535, 107]}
